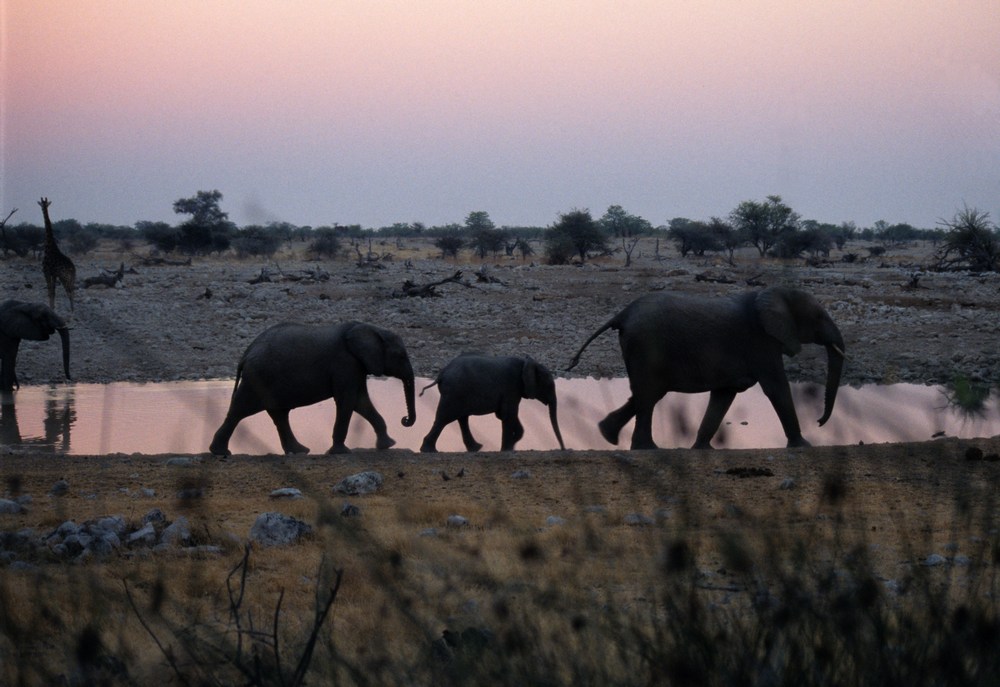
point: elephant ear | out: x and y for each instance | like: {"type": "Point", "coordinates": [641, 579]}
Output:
{"type": "Point", "coordinates": [777, 320]}
{"type": "Point", "coordinates": [367, 345]}
{"type": "Point", "coordinates": [529, 378]}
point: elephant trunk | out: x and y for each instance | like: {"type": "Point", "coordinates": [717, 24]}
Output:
{"type": "Point", "coordinates": [835, 364]}
{"type": "Point", "coordinates": [555, 424]}
{"type": "Point", "coordinates": [64, 335]}
{"type": "Point", "coordinates": [408, 391]}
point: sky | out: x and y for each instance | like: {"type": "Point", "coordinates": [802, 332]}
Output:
{"type": "Point", "coordinates": [374, 112]}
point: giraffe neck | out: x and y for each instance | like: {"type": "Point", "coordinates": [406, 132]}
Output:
{"type": "Point", "coordinates": [50, 238]}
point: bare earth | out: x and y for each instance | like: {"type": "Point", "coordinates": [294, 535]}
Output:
{"type": "Point", "coordinates": [900, 323]}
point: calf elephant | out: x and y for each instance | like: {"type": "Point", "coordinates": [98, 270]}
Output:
{"type": "Point", "coordinates": [473, 384]}
{"type": "Point", "coordinates": [723, 346]}
{"type": "Point", "coordinates": [292, 365]}
{"type": "Point", "coordinates": [31, 321]}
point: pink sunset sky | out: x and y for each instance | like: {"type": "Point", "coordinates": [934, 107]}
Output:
{"type": "Point", "coordinates": [375, 112]}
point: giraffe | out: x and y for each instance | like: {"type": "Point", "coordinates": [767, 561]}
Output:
{"type": "Point", "coordinates": [55, 264]}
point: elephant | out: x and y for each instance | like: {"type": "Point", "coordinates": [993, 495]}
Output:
{"type": "Point", "coordinates": [31, 321]}
{"type": "Point", "coordinates": [291, 365]}
{"type": "Point", "coordinates": [692, 344]}
{"type": "Point", "coordinates": [474, 384]}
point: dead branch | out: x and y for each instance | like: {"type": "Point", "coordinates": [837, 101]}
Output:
{"type": "Point", "coordinates": [413, 290]}
{"type": "Point", "coordinates": [714, 278]}
{"type": "Point", "coordinates": [108, 278]}
{"type": "Point", "coordinates": [156, 262]}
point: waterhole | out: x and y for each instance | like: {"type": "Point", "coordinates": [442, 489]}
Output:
{"type": "Point", "coordinates": [181, 417]}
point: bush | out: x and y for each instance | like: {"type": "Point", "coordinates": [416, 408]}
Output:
{"type": "Point", "coordinates": [972, 243]}
{"type": "Point", "coordinates": [325, 243]}
{"type": "Point", "coordinates": [256, 241]}
{"type": "Point", "coordinates": [449, 245]}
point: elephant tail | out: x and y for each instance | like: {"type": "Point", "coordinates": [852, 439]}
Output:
{"type": "Point", "coordinates": [610, 324]}
{"type": "Point", "coordinates": [239, 376]}
{"type": "Point", "coordinates": [434, 383]}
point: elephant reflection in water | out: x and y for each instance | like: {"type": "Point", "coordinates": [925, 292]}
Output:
{"type": "Point", "coordinates": [60, 416]}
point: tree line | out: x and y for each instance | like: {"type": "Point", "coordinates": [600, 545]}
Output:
{"type": "Point", "coordinates": [770, 226]}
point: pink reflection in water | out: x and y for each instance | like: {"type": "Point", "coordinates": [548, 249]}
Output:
{"type": "Point", "coordinates": [181, 417]}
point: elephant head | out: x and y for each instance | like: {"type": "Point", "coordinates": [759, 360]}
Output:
{"type": "Point", "coordinates": [383, 354]}
{"type": "Point", "coordinates": [539, 384]}
{"type": "Point", "coordinates": [31, 321]}
{"type": "Point", "coordinates": [794, 318]}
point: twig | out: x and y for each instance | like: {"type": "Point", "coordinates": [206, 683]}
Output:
{"type": "Point", "coordinates": [142, 621]}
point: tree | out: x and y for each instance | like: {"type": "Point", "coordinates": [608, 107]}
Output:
{"type": "Point", "coordinates": [258, 241]}
{"type": "Point", "coordinates": [618, 223]}
{"type": "Point", "coordinates": [484, 237]}
{"type": "Point", "coordinates": [972, 242]}
{"type": "Point", "coordinates": [764, 224]}
{"type": "Point", "coordinates": [209, 229]}
{"type": "Point", "coordinates": [575, 232]}
{"type": "Point", "coordinates": [160, 235]}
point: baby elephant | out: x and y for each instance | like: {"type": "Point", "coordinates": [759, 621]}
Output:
{"type": "Point", "coordinates": [474, 384]}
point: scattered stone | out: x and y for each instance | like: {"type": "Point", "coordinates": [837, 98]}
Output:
{"type": "Point", "coordinates": [359, 484]}
{"type": "Point", "coordinates": [429, 532]}
{"type": "Point", "coordinates": [176, 533]}
{"type": "Point", "coordinates": [520, 474]}
{"type": "Point", "coordinates": [60, 488]}
{"type": "Point", "coordinates": [787, 483]}
{"type": "Point", "coordinates": [554, 521]}
{"type": "Point", "coordinates": [743, 473]}
{"type": "Point", "coordinates": [144, 536]}
{"type": "Point", "coordinates": [286, 493]}
{"type": "Point", "coordinates": [638, 519]}
{"type": "Point", "coordinates": [350, 511]}
{"type": "Point", "coordinates": [179, 461]}
{"type": "Point", "coordinates": [8, 507]}
{"type": "Point", "coordinates": [934, 560]}
{"type": "Point", "coordinates": [457, 521]}
{"type": "Point", "coordinates": [277, 529]}
{"type": "Point", "coordinates": [154, 516]}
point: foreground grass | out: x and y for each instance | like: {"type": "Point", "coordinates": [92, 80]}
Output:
{"type": "Point", "coordinates": [829, 582]}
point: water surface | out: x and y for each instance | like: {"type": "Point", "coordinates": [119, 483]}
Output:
{"type": "Point", "coordinates": [181, 417]}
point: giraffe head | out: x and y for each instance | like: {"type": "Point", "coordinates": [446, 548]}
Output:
{"type": "Point", "coordinates": [45, 203]}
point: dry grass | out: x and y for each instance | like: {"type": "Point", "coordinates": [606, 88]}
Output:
{"type": "Point", "coordinates": [729, 565]}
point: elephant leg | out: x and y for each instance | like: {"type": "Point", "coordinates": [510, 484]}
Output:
{"type": "Point", "coordinates": [718, 403]}
{"type": "Point", "coordinates": [341, 423]}
{"type": "Point", "coordinates": [513, 430]}
{"type": "Point", "coordinates": [366, 409]}
{"type": "Point", "coordinates": [780, 395]}
{"type": "Point", "coordinates": [470, 442]}
{"type": "Point", "coordinates": [612, 424]}
{"type": "Point", "coordinates": [645, 396]}
{"type": "Point", "coordinates": [243, 404]}
{"type": "Point", "coordinates": [289, 444]}
{"type": "Point", "coordinates": [429, 444]}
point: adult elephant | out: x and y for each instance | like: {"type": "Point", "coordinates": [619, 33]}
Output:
{"type": "Point", "coordinates": [291, 365]}
{"type": "Point", "coordinates": [30, 321]}
{"type": "Point", "coordinates": [723, 346]}
{"type": "Point", "coordinates": [474, 384]}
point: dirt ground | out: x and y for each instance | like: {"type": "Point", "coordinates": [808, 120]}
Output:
{"type": "Point", "coordinates": [902, 323]}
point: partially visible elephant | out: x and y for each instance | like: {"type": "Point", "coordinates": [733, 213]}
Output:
{"type": "Point", "coordinates": [291, 365]}
{"type": "Point", "coordinates": [474, 384]}
{"type": "Point", "coordinates": [31, 321]}
{"type": "Point", "coordinates": [721, 345]}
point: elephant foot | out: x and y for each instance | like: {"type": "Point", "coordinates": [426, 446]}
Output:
{"type": "Point", "coordinates": [608, 430]}
{"type": "Point", "coordinates": [703, 445]}
{"type": "Point", "coordinates": [337, 449]}
{"type": "Point", "coordinates": [294, 448]}
{"type": "Point", "coordinates": [428, 447]}
{"type": "Point", "coordinates": [385, 442]}
{"type": "Point", "coordinates": [798, 442]}
{"type": "Point", "coordinates": [643, 444]}
{"type": "Point", "coordinates": [219, 450]}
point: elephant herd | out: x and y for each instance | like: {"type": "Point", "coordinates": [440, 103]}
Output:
{"type": "Point", "coordinates": [669, 342]}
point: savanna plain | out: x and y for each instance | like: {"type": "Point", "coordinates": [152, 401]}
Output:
{"type": "Point", "coordinates": [838, 564]}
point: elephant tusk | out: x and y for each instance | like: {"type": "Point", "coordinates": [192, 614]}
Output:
{"type": "Point", "coordinates": [840, 352]}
